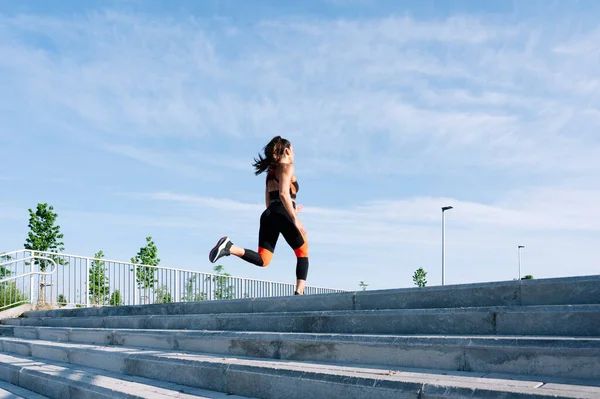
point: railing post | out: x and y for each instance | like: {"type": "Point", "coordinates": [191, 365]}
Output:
{"type": "Point", "coordinates": [177, 299]}
{"type": "Point", "coordinates": [32, 278]}
{"type": "Point", "coordinates": [134, 276]}
{"type": "Point", "coordinates": [87, 282]}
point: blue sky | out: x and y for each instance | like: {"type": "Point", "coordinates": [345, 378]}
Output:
{"type": "Point", "coordinates": [141, 118]}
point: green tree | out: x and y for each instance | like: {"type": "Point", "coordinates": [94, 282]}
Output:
{"type": "Point", "coordinates": [223, 290]}
{"type": "Point", "coordinates": [147, 256]}
{"type": "Point", "coordinates": [363, 285]}
{"type": "Point", "coordinates": [45, 236]}
{"type": "Point", "coordinates": [419, 277]}
{"type": "Point", "coordinates": [163, 295]}
{"type": "Point", "coordinates": [527, 277]}
{"type": "Point", "coordinates": [190, 293]}
{"type": "Point", "coordinates": [10, 295]}
{"type": "Point", "coordinates": [115, 299]}
{"type": "Point", "coordinates": [99, 284]}
{"type": "Point", "coordinates": [4, 271]}
{"type": "Point", "coordinates": [61, 301]}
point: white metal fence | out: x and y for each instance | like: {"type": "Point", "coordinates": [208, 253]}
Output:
{"type": "Point", "coordinates": [61, 279]}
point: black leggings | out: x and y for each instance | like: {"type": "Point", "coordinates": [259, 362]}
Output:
{"type": "Point", "coordinates": [273, 221]}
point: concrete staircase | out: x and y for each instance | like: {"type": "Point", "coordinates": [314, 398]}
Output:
{"type": "Point", "coordinates": [516, 339]}
{"type": "Point", "coordinates": [10, 391]}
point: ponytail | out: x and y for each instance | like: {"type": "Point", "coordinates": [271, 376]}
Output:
{"type": "Point", "coordinates": [273, 152]}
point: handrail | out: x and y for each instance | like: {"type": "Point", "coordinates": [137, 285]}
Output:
{"type": "Point", "coordinates": [19, 251]}
{"type": "Point", "coordinates": [152, 266]}
{"type": "Point", "coordinates": [83, 284]}
{"type": "Point", "coordinates": [31, 272]}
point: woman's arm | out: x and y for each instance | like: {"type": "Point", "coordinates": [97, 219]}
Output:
{"type": "Point", "coordinates": [286, 171]}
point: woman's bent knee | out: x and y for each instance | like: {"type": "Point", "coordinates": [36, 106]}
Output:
{"type": "Point", "coordinates": [302, 252]}
{"type": "Point", "coordinates": [265, 255]}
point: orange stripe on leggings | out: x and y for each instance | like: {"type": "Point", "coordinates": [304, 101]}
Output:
{"type": "Point", "coordinates": [302, 252]}
{"type": "Point", "coordinates": [265, 255]}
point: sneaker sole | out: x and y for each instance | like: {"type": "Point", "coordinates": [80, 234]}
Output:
{"type": "Point", "coordinates": [212, 257]}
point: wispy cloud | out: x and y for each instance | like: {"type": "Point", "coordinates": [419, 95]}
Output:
{"type": "Point", "coordinates": [154, 157]}
{"type": "Point", "coordinates": [583, 45]}
{"type": "Point", "coordinates": [206, 202]}
{"type": "Point", "coordinates": [539, 209]}
{"type": "Point", "coordinates": [112, 220]}
{"type": "Point", "coordinates": [457, 86]}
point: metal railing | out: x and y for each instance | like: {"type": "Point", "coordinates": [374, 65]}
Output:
{"type": "Point", "coordinates": [18, 270]}
{"type": "Point", "coordinates": [84, 281]}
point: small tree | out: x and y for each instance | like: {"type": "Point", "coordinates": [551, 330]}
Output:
{"type": "Point", "coordinates": [10, 295]}
{"type": "Point", "coordinates": [45, 236]}
{"type": "Point", "coordinates": [61, 301]}
{"type": "Point", "coordinates": [163, 295]}
{"type": "Point", "coordinates": [4, 271]}
{"type": "Point", "coordinates": [148, 256]}
{"type": "Point", "coordinates": [190, 293]}
{"type": "Point", "coordinates": [363, 285]}
{"type": "Point", "coordinates": [99, 284]}
{"type": "Point", "coordinates": [115, 299]}
{"type": "Point", "coordinates": [419, 277]}
{"type": "Point", "coordinates": [222, 289]}
{"type": "Point", "coordinates": [527, 277]}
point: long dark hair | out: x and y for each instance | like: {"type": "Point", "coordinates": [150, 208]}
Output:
{"type": "Point", "coordinates": [273, 152]}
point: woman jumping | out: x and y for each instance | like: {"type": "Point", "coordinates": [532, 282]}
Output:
{"type": "Point", "coordinates": [279, 217]}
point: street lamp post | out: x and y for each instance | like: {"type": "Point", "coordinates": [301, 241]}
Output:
{"type": "Point", "coordinates": [519, 251]}
{"type": "Point", "coordinates": [444, 209]}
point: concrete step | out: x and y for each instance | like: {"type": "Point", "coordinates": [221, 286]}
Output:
{"type": "Point", "coordinates": [10, 391]}
{"type": "Point", "coordinates": [63, 380]}
{"type": "Point", "coordinates": [568, 320]}
{"type": "Point", "coordinates": [555, 291]}
{"type": "Point", "coordinates": [275, 379]}
{"type": "Point", "coordinates": [535, 356]}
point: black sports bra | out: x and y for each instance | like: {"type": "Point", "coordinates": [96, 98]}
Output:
{"type": "Point", "coordinates": [274, 194]}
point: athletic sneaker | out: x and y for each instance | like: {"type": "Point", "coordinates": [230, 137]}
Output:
{"type": "Point", "coordinates": [220, 250]}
